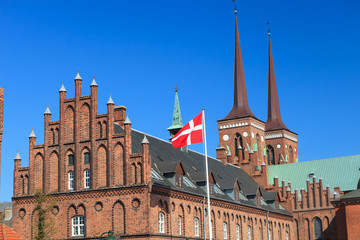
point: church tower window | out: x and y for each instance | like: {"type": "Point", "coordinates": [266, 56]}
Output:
{"type": "Point", "coordinates": [270, 155]}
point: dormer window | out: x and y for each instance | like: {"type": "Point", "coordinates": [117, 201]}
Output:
{"type": "Point", "coordinates": [179, 180]}
{"type": "Point", "coordinates": [236, 194]}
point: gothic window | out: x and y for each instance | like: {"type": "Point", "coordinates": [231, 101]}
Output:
{"type": "Point", "coordinates": [86, 158]}
{"type": "Point", "coordinates": [238, 142]}
{"type": "Point", "coordinates": [87, 178]}
{"type": "Point", "coordinates": [225, 230]}
{"type": "Point", "coordinates": [249, 232]}
{"type": "Point", "coordinates": [161, 222]}
{"type": "Point", "coordinates": [70, 159]}
{"type": "Point", "coordinates": [100, 130]}
{"type": "Point", "coordinates": [178, 180]}
{"type": "Point", "coordinates": [53, 136]}
{"type": "Point", "coordinates": [78, 226]}
{"type": "Point", "coordinates": [22, 184]}
{"type": "Point", "coordinates": [287, 235]}
{"type": "Point", "coordinates": [291, 154]}
{"type": "Point", "coordinates": [180, 225]}
{"type": "Point", "coordinates": [318, 229]}
{"type": "Point", "coordinates": [212, 228]}
{"type": "Point", "coordinates": [237, 232]}
{"type": "Point", "coordinates": [71, 180]}
{"type": "Point", "coordinates": [196, 227]}
{"type": "Point", "coordinates": [270, 155]}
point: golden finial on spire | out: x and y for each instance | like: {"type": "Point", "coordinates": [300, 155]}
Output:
{"type": "Point", "coordinates": [176, 88]}
{"type": "Point", "coordinates": [235, 7]}
{"type": "Point", "coordinates": [77, 71]}
{"type": "Point", "coordinates": [268, 23]}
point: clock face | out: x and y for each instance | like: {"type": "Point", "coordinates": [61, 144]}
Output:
{"type": "Point", "coordinates": [245, 134]}
{"type": "Point", "coordinates": [278, 146]}
{"type": "Point", "coordinates": [226, 137]}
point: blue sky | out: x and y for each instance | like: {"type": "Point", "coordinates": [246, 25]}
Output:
{"type": "Point", "coordinates": [139, 51]}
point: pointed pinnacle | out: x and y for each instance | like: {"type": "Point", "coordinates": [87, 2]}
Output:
{"type": "Point", "coordinates": [47, 111]}
{"type": "Point", "coordinates": [145, 140]}
{"type": "Point", "coordinates": [17, 157]}
{"type": "Point", "coordinates": [110, 101]}
{"type": "Point", "coordinates": [127, 120]}
{"type": "Point", "coordinates": [78, 76]}
{"type": "Point", "coordinates": [93, 83]}
{"type": "Point", "coordinates": [62, 89]}
{"type": "Point", "coordinates": [32, 134]}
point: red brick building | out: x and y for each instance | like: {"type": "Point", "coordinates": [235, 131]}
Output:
{"type": "Point", "coordinates": [103, 175]}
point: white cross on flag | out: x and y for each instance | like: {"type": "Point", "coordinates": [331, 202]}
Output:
{"type": "Point", "coordinates": [191, 133]}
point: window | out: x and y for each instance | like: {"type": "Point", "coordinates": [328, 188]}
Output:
{"type": "Point", "coordinates": [87, 179]}
{"type": "Point", "coordinates": [70, 159]}
{"type": "Point", "coordinates": [178, 180]}
{"type": "Point", "coordinates": [225, 230]}
{"type": "Point", "coordinates": [291, 155]}
{"type": "Point", "coordinates": [78, 226]}
{"type": "Point", "coordinates": [180, 225]}
{"type": "Point", "coordinates": [270, 155]}
{"type": "Point", "coordinates": [196, 227]}
{"type": "Point", "coordinates": [71, 180]}
{"type": "Point", "coordinates": [86, 158]}
{"type": "Point", "coordinates": [238, 143]}
{"type": "Point", "coordinates": [212, 228]}
{"type": "Point", "coordinates": [161, 222]}
{"type": "Point", "coordinates": [249, 232]}
{"type": "Point", "coordinates": [237, 232]}
{"type": "Point", "coordinates": [258, 145]}
{"type": "Point", "coordinates": [318, 229]}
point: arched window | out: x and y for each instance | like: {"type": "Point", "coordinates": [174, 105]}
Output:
{"type": "Point", "coordinates": [78, 226]}
{"type": "Point", "coordinates": [237, 232]}
{"type": "Point", "coordinates": [270, 155]}
{"type": "Point", "coordinates": [258, 145]}
{"type": "Point", "coordinates": [180, 225]}
{"type": "Point", "coordinates": [87, 178]}
{"type": "Point", "coordinates": [86, 157]}
{"type": "Point", "coordinates": [238, 142]}
{"type": "Point", "coordinates": [249, 232]}
{"type": "Point", "coordinates": [225, 230]}
{"type": "Point", "coordinates": [287, 235]}
{"type": "Point", "coordinates": [291, 157]}
{"type": "Point", "coordinates": [196, 227]}
{"type": "Point", "coordinates": [71, 180]}
{"type": "Point", "coordinates": [70, 159]}
{"type": "Point", "coordinates": [318, 229]}
{"type": "Point", "coordinates": [161, 222]}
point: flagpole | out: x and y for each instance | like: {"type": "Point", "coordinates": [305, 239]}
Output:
{"type": "Point", "coordinates": [207, 177]}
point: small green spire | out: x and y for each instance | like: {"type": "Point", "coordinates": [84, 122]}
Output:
{"type": "Point", "coordinates": [177, 121]}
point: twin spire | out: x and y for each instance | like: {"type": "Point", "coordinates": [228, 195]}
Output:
{"type": "Point", "coordinates": [241, 106]}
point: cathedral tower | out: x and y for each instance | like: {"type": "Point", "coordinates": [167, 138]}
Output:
{"type": "Point", "coordinates": [241, 134]}
{"type": "Point", "coordinates": [281, 143]}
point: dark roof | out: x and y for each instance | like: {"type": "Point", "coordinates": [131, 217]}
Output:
{"type": "Point", "coordinates": [165, 158]}
{"type": "Point", "coordinates": [351, 195]}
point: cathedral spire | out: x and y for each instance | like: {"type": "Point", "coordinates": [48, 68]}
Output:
{"type": "Point", "coordinates": [273, 121]}
{"type": "Point", "coordinates": [177, 121]}
{"type": "Point", "coordinates": [241, 106]}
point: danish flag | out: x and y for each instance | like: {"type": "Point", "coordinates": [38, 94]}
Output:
{"type": "Point", "coordinates": [191, 133]}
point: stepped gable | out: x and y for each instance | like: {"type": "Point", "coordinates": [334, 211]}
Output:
{"type": "Point", "coordinates": [165, 159]}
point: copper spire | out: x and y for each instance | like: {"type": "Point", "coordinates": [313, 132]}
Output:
{"type": "Point", "coordinates": [241, 106]}
{"type": "Point", "coordinates": [273, 121]}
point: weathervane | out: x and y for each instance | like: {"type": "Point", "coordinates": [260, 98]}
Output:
{"type": "Point", "coordinates": [234, 6]}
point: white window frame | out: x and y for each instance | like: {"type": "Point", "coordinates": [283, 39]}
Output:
{"type": "Point", "coordinates": [196, 227]}
{"type": "Point", "coordinates": [225, 230]}
{"type": "Point", "coordinates": [237, 232]}
{"type": "Point", "coordinates": [180, 225]}
{"type": "Point", "coordinates": [161, 222]}
{"type": "Point", "coordinates": [78, 226]}
{"type": "Point", "coordinates": [87, 178]}
{"type": "Point", "coordinates": [71, 178]}
{"type": "Point", "coordinates": [249, 232]}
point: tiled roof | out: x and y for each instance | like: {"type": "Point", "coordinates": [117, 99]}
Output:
{"type": "Point", "coordinates": [165, 158]}
{"type": "Point", "coordinates": [8, 233]}
{"type": "Point", "coordinates": [340, 172]}
{"type": "Point", "coordinates": [351, 195]}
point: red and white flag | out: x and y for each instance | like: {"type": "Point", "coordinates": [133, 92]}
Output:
{"type": "Point", "coordinates": [191, 133]}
